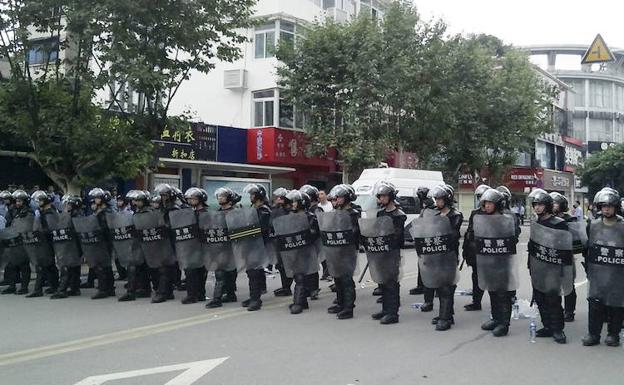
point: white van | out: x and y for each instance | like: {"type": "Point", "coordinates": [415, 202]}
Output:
{"type": "Point", "coordinates": [406, 181]}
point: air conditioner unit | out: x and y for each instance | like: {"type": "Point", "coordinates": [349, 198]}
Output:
{"type": "Point", "coordinates": [235, 79]}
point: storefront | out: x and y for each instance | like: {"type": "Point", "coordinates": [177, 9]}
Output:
{"type": "Point", "coordinates": [286, 148]}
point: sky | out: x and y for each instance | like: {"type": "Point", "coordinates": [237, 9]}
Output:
{"type": "Point", "coordinates": [532, 22]}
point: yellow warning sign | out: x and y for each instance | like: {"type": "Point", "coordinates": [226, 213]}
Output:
{"type": "Point", "coordinates": [598, 52]}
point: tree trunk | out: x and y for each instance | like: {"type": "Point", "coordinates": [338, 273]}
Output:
{"type": "Point", "coordinates": [345, 173]}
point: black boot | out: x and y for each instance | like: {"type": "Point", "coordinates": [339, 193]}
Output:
{"type": "Point", "coordinates": [230, 287]}
{"type": "Point", "coordinates": [614, 326]}
{"type": "Point", "coordinates": [256, 284]}
{"type": "Point", "coordinates": [569, 306]}
{"type": "Point", "coordinates": [503, 315]}
{"type": "Point", "coordinates": [25, 273]}
{"type": "Point", "coordinates": [312, 283]}
{"type": "Point", "coordinates": [378, 291]}
{"type": "Point", "coordinates": [379, 315]}
{"type": "Point", "coordinates": [61, 292]}
{"type": "Point", "coordinates": [429, 295]}
{"type": "Point", "coordinates": [51, 275]}
{"type": "Point", "coordinates": [337, 308]}
{"type": "Point", "coordinates": [300, 295]}
{"type": "Point", "coordinates": [131, 275]}
{"type": "Point", "coordinates": [285, 290]}
{"type": "Point", "coordinates": [391, 301]}
{"type": "Point", "coordinates": [348, 289]}
{"type": "Point", "coordinates": [555, 314]}
{"type": "Point", "coordinates": [74, 281]}
{"type": "Point", "coordinates": [165, 284]}
{"type": "Point", "coordinates": [193, 277]}
{"type": "Point", "coordinates": [102, 275]}
{"type": "Point", "coordinates": [477, 293]}
{"type": "Point", "coordinates": [38, 290]}
{"type": "Point", "coordinates": [122, 272]}
{"type": "Point", "coordinates": [143, 286]}
{"type": "Point", "coordinates": [446, 308]}
{"type": "Point", "coordinates": [218, 290]}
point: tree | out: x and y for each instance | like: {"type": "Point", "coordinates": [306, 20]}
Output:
{"type": "Point", "coordinates": [56, 105]}
{"type": "Point", "coordinates": [605, 168]}
{"type": "Point", "coordinates": [370, 87]}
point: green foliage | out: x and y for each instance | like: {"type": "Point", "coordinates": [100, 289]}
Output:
{"type": "Point", "coordinates": [605, 168]}
{"type": "Point", "coordinates": [367, 87]}
{"type": "Point", "coordinates": [55, 108]}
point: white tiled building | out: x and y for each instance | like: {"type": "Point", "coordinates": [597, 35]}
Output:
{"type": "Point", "coordinates": [244, 93]}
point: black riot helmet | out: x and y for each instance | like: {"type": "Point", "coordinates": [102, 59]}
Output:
{"type": "Point", "coordinates": [280, 192]}
{"type": "Point", "coordinates": [480, 190]}
{"type": "Point", "coordinates": [73, 202]}
{"type": "Point", "coordinates": [540, 196]}
{"type": "Point", "coordinates": [198, 193]}
{"type": "Point", "coordinates": [506, 195]}
{"type": "Point", "coordinates": [422, 193]}
{"type": "Point", "coordinates": [302, 199]}
{"type": "Point", "coordinates": [6, 196]}
{"type": "Point", "coordinates": [41, 198]}
{"type": "Point", "coordinates": [607, 197]}
{"type": "Point", "coordinates": [441, 192]}
{"type": "Point", "coordinates": [22, 196]}
{"type": "Point", "coordinates": [341, 190]}
{"type": "Point", "coordinates": [386, 188]}
{"type": "Point", "coordinates": [164, 189]}
{"type": "Point", "coordinates": [99, 193]}
{"type": "Point", "coordinates": [256, 192]}
{"type": "Point", "coordinates": [312, 192]}
{"type": "Point", "coordinates": [561, 201]}
{"type": "Point", "coordinates": [230, 195]}
{"type": "Point", "coordinates": [494, 196]}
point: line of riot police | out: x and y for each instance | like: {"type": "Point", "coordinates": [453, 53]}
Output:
{"type": "Point", "coordinates": [167, 232]}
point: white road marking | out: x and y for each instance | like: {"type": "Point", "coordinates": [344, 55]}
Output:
{"type": "Point", "coordinates": [193, 371]}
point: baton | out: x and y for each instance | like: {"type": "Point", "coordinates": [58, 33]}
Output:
{"type": "Point", "coordinates": [363, 272]}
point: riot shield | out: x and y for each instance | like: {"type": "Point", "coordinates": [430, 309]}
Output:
{"type": "Point", "coordinates": [605, 268]}
{"type": "Point", "coordinates": [36, 241]}
{"type": "Point", "coordinates": [64, 240]}
{"type": "Point", "coordinates": [382, 252]}
{"type": "Point", "coordinates": [124, 239]}
{"type": "Point", "coordinates": [579, 235]}
{"type": "Point", "coordinates": [299, 255]}
{"type": "Point", "coordinates": [246, 237]}
{"type": "Point", "coordinates": [92, 240]}
{"type": "Point", "coordinates": [436, 243]}
{"type": "Point", "coordinates": [337, 242]}
{"type": "Point", "coordinates": [187, 242]}
{"type": "Point", "coordinates": [154, 237]}
{"type": "Point", "coordinates": [216, 246]}
{"type": "Point", "coordinates": [14, 251]}
{"type": "Point", "coordinates": [272, 246]}
{"type": "Point", "coordinates": [497, 263]}
{"type": "Point", "coordinates": [551, 260]}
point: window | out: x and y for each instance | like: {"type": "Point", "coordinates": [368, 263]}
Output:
{"type": "Point", "coordinates": [600, 130]}
{"type": "Point", "coordinates": [578, 96]}
{"type": "Point", "coordinates": [578, 129]}
{"type": "Point", "coordinates": [600, 94]}
{"type": "Point", "coordinates": [619, 98]}
{"type": "Point", "coordinates": [265, 41]}
{"type": "Point", "coordinates": [545, 154]}
{"type": "Point", "coordinates": [523, 159]}
{"type": "Point", "coordinates": [263, 106]}
{"type": "Point", "coordinates": [287, 32]}
{"type": "Point", "coordinates": [43, 51]}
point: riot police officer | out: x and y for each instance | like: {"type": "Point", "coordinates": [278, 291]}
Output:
{"type": "Point", "coordinates": [66, 247]}
{"type": "Point", "coordinates": [469, 252]}
{"type": "Point", "coordinates": [282, 206]}
{"type": "Point", "coordinates": [496, 235]}
{"type": "Point", "coordinates": [168, 273]}
{"type": "Point", "coordinates": [10, 271]}
{"type": "Point", "coordinates": [604, 270]}
{"type": "Point", "coordinates": [314, 279]}
{"type": "Point", "coordinates": [386, 194]}
{"type": "Point", "coordinates": [257, 278]}
{"type": "Point", "coordinates": [46, 269]}
{"type": "Point", "coordinates": [579, 237]}
{"type": "Point", "coordinates": [444, 200]}
{"type": "Point", "coordinates": [197, 199]}
{"type": "Point", "coordinates": [19, 260]}
{"type": "Point", "coordinates": [341, 227]}
{"type": "Point", "coordinates": [548, 253]}
{"type": "Point", "coordinates": [424, 202]}
{"type": "Point", "coordinates": [225, 281]}
{"type": "Point", "coordinates": [100, 204]}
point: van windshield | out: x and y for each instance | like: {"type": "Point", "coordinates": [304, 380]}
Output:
{"type": "Point", "coordinates": [369, 202]}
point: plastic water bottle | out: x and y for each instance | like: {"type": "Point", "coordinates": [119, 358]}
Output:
{"type": "Point", "coordinates": [532, 330]}
{"type": "Point", "coordinates": [516, 310]}
{"type": "Point", "coordinates": [417, 305]}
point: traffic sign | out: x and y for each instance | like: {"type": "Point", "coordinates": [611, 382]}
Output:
{"type": "Point", "coordinates": [598, 52]}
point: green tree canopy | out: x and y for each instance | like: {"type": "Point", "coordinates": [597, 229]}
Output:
{"type": "Point", "coordinates": [605, 168]}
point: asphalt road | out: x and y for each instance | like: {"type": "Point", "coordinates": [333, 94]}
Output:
{"type": "Point", "coordinates": [65, 342]}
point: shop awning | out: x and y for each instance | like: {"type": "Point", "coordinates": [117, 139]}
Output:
{"type": "Point", "coordinates": [224, 166]}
